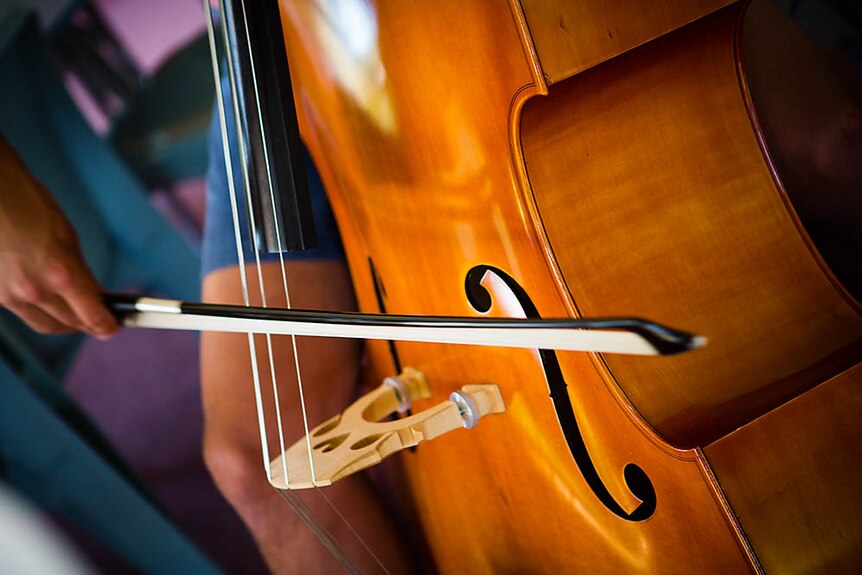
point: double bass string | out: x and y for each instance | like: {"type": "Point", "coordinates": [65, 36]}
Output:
{"type": "Point", "coordinates": [278, 223]}
{"type": "Point", "coordinates": [240, 132]}
{"type": "Point", "coordinates": [297, 505]}
{"type": "Point", "coordinates": [220, 109]}
{"type": "Point", "coordinates": [295, 502]}
{"type": "Point", "coordinates": [236, 99]}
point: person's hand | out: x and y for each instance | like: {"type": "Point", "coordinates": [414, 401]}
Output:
{"type": "Point", "coordinates": [43, 277]}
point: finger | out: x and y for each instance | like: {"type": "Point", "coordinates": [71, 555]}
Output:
{"type": "Point", "coordinates": [25, 293]}
{"type": "Point", "coordinates": [86, 302]}
{"type": "Point", "coordinates": [57, 308]}
{"type": "Point", "coordinates": [37, 319]}
{"type": "Point", "coordinates": [74, 284]}
{"type": "Point", "coordinates": [33, 293]}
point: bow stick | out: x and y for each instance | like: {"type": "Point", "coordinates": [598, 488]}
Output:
{"type": "Point", "coordinates": [607, 335]}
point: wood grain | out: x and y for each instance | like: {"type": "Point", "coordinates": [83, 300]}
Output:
{"type": "Point", "coordinates": [573, 36]}
{"type": "Point", "coordinates": [793, 479]}
{"type": "Point", "coordinates": [636, 187]}
{"type": "Point", "coordinates": [658, 201]}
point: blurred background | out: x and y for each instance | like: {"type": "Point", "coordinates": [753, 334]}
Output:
{"type": "Point", "coordinates": [104, 438]}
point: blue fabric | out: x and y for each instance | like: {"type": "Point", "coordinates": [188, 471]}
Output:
{"type": "Point", "coordinates": [219, 245]}
{"type": "Point", "coordinates": [47, 461]}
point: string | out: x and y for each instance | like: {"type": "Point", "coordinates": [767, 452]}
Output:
{"type": "Point", "coordinates": [298, 506]}
{"type": "Point", "coordinates": [308, 518]}
{"type": "Point", "coordinates": [352, 530]}
{"type": "Point", "coordinates": [243, 151]}
{"type": "Point", "coordinates": [235, 213]}
{"type": "Point", "coordinates": [278, 222]}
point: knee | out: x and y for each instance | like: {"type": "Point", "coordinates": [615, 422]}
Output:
{"type": "Point", "coordinates": [236, 467]}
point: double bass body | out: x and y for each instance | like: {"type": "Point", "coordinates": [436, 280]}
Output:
{"type": "Point", "coordinates": [609, 164]}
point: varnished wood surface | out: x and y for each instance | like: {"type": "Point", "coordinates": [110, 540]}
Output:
{"type": "Point", "coordinates": [578, 34]}
{"type": "Point", "coordinates": [647, 179]}
{"type": "Point", "coordinates": [414, 129]}
{"type": "Point", "coordinates": [793, 478]}
{"type": "Point", "coordinates": [658, 202]}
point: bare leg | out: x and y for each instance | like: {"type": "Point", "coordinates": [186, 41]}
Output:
{"type": "Point", "coordinates": [232, 442]}
{"type": "Point", "coordinates": [812, 123]}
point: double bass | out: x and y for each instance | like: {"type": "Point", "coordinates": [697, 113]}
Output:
{"type": "Point", "coordinates": [607, 162]}
{"type": "Point", "coordinates": [529, 158]}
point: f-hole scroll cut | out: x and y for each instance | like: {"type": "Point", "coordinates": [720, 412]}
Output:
{"type": "Point", "coordinates": [636, 478]}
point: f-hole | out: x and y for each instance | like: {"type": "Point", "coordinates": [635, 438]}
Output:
{"type": "Point", "coordinates": [635, 478]}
